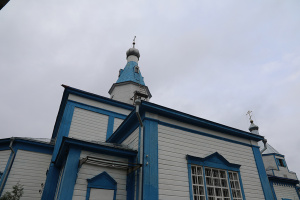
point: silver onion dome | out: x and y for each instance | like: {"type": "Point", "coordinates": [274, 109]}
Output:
{"type": "Point", "coordinates": [133, 52]}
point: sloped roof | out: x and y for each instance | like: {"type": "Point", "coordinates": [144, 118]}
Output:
{"type": "Point", "coordinates": [128, 74]}
{"type": "Point", "coordinates": [269, 149]}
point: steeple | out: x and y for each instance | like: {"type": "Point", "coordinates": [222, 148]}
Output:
{"type": "Point", "coordinates": [130, 79]}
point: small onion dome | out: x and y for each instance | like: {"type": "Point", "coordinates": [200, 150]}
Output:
{"type": "Point", "coordinates": [253, 127]}
{"type": "Point", "coordinates": [133, 52]}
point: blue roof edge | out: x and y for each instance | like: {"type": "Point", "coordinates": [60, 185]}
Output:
{"type": "Point", "coordinates": [70, 90]}
{"type": "Point", "coordinates": [131, 123]}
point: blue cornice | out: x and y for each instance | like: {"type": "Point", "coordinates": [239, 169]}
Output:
{"type": "Point", "coordinates": [94, 147]}
{"type": "Point", "coordinates": [69, 90]}
{"type": "Point", "coordinates": [275, 154]}
{"type": "Point", "coordinates": [186, 118]}
{"type": "Point", "coordinates": [282, 180]}
{"type": "Point", "coordinates": [215, 160]}
{"type": "Point", "coordinates": [29, 145]}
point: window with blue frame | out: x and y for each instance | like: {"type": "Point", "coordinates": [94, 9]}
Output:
{"type": "Point", "coordinates": [214, 178]}
{"type": "Point", "coordinates": [102, 185]}
{"type": "Point", "coordinates": [281, 162]}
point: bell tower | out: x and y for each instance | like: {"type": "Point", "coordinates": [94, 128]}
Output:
{"type": "Point", "coordinates": [130, 80]}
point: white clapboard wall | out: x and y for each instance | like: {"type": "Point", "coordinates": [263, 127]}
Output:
{"type": "Point", "coordinates": [132, 141]}
{"type": "Point", "coordinates": [88, 171]}
{"type": "Point", "coordinates": [88, 125]}
{"type": "Point", "coordinates": [117, 123]}
{"type": "Point", "coordinates": [285, 192]}
{"type": "Point", "coordinates": [4, 156]}
{"type": "Point", "coordinates": [175, 144]}
{"type": "Point", "coordinates": [99, 105]}
{"type": "Point", "coordinates": [29, 169]}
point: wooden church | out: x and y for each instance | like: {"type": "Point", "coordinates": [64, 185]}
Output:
{"type": "Point", "coordinates": [126, 148]}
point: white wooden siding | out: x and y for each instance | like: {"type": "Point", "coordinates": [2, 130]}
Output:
{"type": "Point", "coordinates": [117, 123]}
{"type": "Point", "coordinates": [98, 104]}
{"type": "Point", "coordinates": [174, 145]}
{"type": "Point", "coordinates": [88, 125]}
{"type": "Point", "coordinates": [132, 140]}
{"type": "Point", "coordinates": [286, 192]}
{"type": "Point", "coordinates": [29, 169]}
{"type": "Point", "coordinates": [88, 171]}
{"type": "Point", "coordinates": [4, 156]}
{"type": "Point", "coordinates": [197, 128]}
{"type": "Point", "coordinates": [269, 162]}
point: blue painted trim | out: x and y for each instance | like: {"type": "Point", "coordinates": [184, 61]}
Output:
{"type": "Point", "coordinates": [228, 180]}
{"type": "Point", "coordinates": [94, 147]}
{"type": "Point", "coordinates": [51, 182]}
{"type": "Point", "coordinates": [205, 182]}
{"type": "Point", "coordinates": [276, 161]}
{"type": "Point", "coordinates": [241, 184]}
{"type": "Point", "coordinates": [150, 171]}
{"type": "Point", "coordinates": [276, 154]}
{"type": "Point", "coordinates": [129, 74]}
{"type": "Point", "coordinates": [110, 126]}
{"type": "Point", "coordinates": [101, 181]}
{"type": "Point", "coordinates": [125, 129]}
{"type": "Point", "coordinates": [34, 147]}
{"type": "Point", "coordinates": [298, 191]}
{"type": "Point", "coordinates": [130, 182]}
{"type": "Point", "coordinates": [204, 134]}
{"type": "Point", "coordinates": [282, 180]}
{"type": "Point", "coordinates": [190, 181]}
{"type": "Point", "coordinates": [7, 168]}
{"type": "Point", "coordinates": [96, 109]}
{"type": "Point", "coordinates": [186, 118]}
{"type": "Point", "coordinates": [286, 199]}
{"type": "Point", "coordinates": [262, 174]}
{"type": "Point", "coordinates": [214, 160]}
{"type": "Point", "coordinates": [138, 161]}
{"type": "Point", "coordinates": [70, 174]}
{"type": "Point", "coordinates": [69, 90]}
{"type": "Point", "coordinates": [64, 128]}
{"type": "Point", "coordinates": [273, 191]}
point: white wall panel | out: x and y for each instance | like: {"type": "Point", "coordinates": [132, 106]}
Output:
{"type": "Point", "coordinates": [29, 169]}
{"type": "Point", "coordinates": [132, 141]}
{"type": "Point", "coordinates": [286, 192]}
{"type": "Point", "coordinates": [4, 156]}
{"type": "Point", "coordinates": [88, 125]}
{"type": "Point", "coordinates": [117, 123]}
{"type": "Point", "coordinates": [98, 104]}
{"type": "Point", "coordinates": [88, 171]}
{"type": "Point", "coordinates": [175, 144]}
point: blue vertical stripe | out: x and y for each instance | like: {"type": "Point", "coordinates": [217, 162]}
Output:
{"type": "Point", "coordinates": [228, 179]}
{"type": "Point", "coordinates": [110, 127]}
{"type": "Point", "coordinates": [190, 181]}
{"type": "Point", "coordinates": [7, 169]}
{"type": "Point", "coordinates": [70, 175]}
{"type": "Point", "coordinates": [150, 164]}
{"type": "Point", "coordinates": [262, 174]}
{"type": "Point", "coordinates": [241, 184]}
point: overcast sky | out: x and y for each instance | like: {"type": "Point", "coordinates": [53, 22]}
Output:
{"type": "Point", "coordinates": [212, 59]}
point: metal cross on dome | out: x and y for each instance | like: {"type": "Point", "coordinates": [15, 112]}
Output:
{"type": "Point", "coordinates": [249, 113]}
{"type": "Point", "coordinates": [133, 41]}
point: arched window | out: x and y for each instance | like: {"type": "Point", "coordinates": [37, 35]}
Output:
{"type": "Point", "coordinates": [102, 185]}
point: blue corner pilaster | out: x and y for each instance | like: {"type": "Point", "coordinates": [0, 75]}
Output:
{"type": "Point", "coordinates": [51, 182]}
{"type": "Point", "coordinates": [110, 127]}
{"type": "Point", "coordinates": [130, 182]}
{"type": "Point", "coordinates": [70, 175]}
{"type": "Point", "coordinates": [150, 164]}
{"type": "Point", "coordinates": [262, 174]}
{"type": "Point", "coordinates": [64, 128]}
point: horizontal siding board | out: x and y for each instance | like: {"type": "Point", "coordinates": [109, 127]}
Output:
{"type": "Point", "coordinates": [117, 123]}
{"type": "Point", "coordinates": [4, 156]}
{"type": "Point", "coordinates": [29, 169]}
{"type": "Point", "coordinates": [132, 140]}
{"type": "Point", "coordinates": [99, 104]}
{"type": "Point", "coordinates": [175, 144]}
{"type": "Point", "coordinates": [88, 125]}
{"type": "Point", "coordinates": [286, 192]}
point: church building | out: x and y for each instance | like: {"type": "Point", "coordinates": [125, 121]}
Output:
{"type": "Point", "coordinates": [127, 148]}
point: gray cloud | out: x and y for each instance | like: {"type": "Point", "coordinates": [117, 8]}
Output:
{"type": "Point", "coordinates": [212, 59]}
